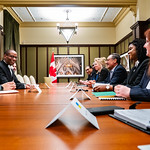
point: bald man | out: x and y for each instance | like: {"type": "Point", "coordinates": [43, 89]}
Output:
{"type": "Point", "coordinates": [6, 71]}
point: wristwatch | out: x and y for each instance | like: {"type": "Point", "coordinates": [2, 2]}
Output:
{"type": "Point", "coordinates": [107, 87]}
{"type": "Point", "coordinates": [2, 88]}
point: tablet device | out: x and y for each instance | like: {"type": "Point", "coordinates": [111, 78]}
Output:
{"type": "Point", "coordinates": [103, 110]}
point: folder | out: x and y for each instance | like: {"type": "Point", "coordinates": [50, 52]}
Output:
{"type": "Point", "coordinates": [103, 110]}
{"type": "Point", "coordinates": [137, 118]}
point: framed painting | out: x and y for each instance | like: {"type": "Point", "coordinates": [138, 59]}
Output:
{"type": "Point", "coordinates": [69, 65]}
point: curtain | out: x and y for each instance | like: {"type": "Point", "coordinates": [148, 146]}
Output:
{"type": "Point", "coordinates": [11, 36]}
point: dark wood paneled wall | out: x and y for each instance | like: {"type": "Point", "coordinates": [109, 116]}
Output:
{"type": "Point", "coordinates": [90, 52]}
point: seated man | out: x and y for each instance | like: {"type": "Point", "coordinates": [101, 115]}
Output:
{"type": "Point", "coordinates": [6, 73]}
{"type": "Point", "coordinates": [8, 86]}
{"type": "Point", "coordinates": [117, 73]}
{"type": "Point", "coordinates": [91, 73]}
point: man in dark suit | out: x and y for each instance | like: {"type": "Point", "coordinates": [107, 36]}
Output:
{"type": "Point", "coordinates": [6, 73]}
{"type": "Point", "coordinates": [116, 75]}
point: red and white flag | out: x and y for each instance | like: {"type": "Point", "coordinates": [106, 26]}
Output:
{"type": "Point", "coordinates": [52, 69]}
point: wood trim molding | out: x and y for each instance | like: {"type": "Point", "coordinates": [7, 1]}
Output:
{"type": "Point", "coordinates": [85, 3]}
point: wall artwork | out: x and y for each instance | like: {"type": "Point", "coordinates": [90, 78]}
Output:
{"type": "Point", "coordinates": [69, 65]}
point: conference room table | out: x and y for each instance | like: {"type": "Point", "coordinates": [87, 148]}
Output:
{"type": "Point", "coordinates": [24, 116]}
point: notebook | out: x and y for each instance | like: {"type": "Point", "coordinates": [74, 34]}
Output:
{"type": "Point", "coordinates": [137, 118]}
{"type": "Point", "coordinates": [108, 95]}
{"type": "Point", "coordinates": [115, 98]}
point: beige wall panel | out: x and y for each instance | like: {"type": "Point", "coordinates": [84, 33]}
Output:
{"type": "Point", "coordinates": [104, 52]}
{"type": "Point", "coordinates": [42, 64]}
{"type": "Point", "coordinates": [23, 60]}
{"type": "Point", "coordinates": [74, 79]}
{"type": "Point", "coordinates": [31, 61]}
{"type": "Point", "coordinates": [123, 28]}
{"type": "Point", "coordinates": [117, 49]}
{"type": "Point", "coordinates": [84, 51]}
{"type": "Point", "coordinates": [131, 39]}
{"type": "Point", "coordinates": [126, 45]}
{"type": "Point", "coordinates": [122, 48]}
{"type": "Point", "coordinates": [63, 50]}
{"type": "Point", "coordinates": [143, 11]}
{"type": "Point", "coordinates": [63, 80]}
{"type": "Point", "coordinates": [49, 35]}
{"type": "Point", "coordinates": [112, 49]}
{"type": "Point", "coordinates": [73, 50]}
{"type": "Point", "coordinates": [94, 53]}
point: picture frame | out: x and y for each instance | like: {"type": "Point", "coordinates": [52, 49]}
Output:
{"type": "Point", "coordinates": [125, 61]}
{"type": "Point", "coordinates": [69, 65]}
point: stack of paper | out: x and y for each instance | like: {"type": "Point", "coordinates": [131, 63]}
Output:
{"type": "Point", "coordinates": [138, 118]}
{"type": "Point", "coordinates": [9, 92]}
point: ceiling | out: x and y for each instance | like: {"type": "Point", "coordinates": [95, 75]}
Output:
{"type": "Point", "coordinates": [61, 14]}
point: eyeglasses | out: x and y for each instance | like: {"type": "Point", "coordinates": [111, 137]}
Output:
{"type": "Point", "coordinates": [12, 56]}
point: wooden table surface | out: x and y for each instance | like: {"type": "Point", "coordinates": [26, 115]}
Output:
{"type": "Point", "coordinates": [24, 116]}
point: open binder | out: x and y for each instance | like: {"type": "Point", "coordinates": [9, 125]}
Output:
{"type": "Point", "coordinates": [137, 118]}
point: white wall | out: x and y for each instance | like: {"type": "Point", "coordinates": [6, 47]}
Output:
{"type": "Point", "coordinates": [50, 35]}
{"type": "Point", "coordinates": [143, 10]}
{"type": "Point", "coordinates": [123, 28]}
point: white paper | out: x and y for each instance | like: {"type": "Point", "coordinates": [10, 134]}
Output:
{"type": "Point", "coordinates": [139, 117]}
{"type": "Point", "coordinates": [81, 109]}
{"type": "Point", "coordinates": [85, 113]}
{"type": "Point", "coordinates": [47, 85]}
{"type": "Point", "coordinates": [144, 147]}
{"type": "Point", "coordinates": [73, 86]}
{"type": "Point", "coordinates": [38, 89]}
{"type": "Point", "coordinates": [57, 116]}
{"type": "Point", "coordinates": [79, 90]}
{"type": "Point", "coordinates": [9, 92]}
{"type": "Point", "coordinates": [97, 84]}
{"type": "Point", "coordinates": [68, 84]}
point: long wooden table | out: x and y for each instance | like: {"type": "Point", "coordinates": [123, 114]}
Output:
{"type": "Point", "coordinates": [24, 116]}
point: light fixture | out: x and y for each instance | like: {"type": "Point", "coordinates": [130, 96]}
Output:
{"type": "Point", "coordinates": [67, 29]}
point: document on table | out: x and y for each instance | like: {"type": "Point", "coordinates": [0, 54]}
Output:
{"type": "Point", "coordinates": [97, 84]}
{"type": "Point", "coordinates": [138, 118]}
{"type": "Point", "coordinates": [108, 95]}
{"type": "Point", "coordinates": [81, 109]}
{"type": "Point", "coordinates": [144, 147]}
{"type": "Point", "coordinates": [9, 92]}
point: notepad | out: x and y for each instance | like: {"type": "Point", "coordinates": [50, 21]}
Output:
{"type": "Point", "coordinates": [137, 118]}
{"type": "Point", "coordinates": [108, 93]}
{"type": "Point", "coordinates": [112, 98]}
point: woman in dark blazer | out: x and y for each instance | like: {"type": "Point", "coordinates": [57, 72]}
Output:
{"type": "Point", "coordinates": [137, 54]}
{"type": "Point", "coordinates": [102, 72]}
{"type": "Point", "coordinates": [142, 91]}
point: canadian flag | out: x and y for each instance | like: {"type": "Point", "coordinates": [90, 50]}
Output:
{"type": "Point", "coordinates": [52, 69]}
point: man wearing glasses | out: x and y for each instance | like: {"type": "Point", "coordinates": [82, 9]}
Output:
{"type": "Point", "coordinates": [6, 73]}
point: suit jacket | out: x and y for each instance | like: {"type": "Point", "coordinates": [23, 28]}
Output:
{"type": "Point", "coordinates": [101, 76]}
{"type": "Point", "coordinates": [6, 76]}
{"type": "Point", "coordinates": [118, 76]}
{"type": "Point", "coordinates": [139, 92]}
{"type": "Point", "coordinates": [91, 76]}
{"type": "Point", "coordinates": [135, 75]}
